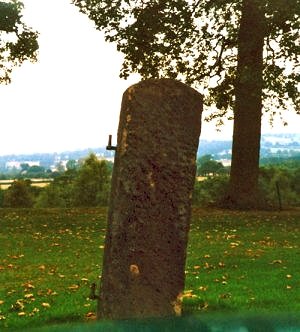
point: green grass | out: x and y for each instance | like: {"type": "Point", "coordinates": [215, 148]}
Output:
{"type": "Point", "coordinates": [238, 262]}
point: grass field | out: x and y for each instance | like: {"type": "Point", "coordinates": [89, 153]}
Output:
{"type": "Point", "coordinates": [238, 262]}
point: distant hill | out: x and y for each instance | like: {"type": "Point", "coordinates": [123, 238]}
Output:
{"type": "Point", "coordinates": [272, 145]}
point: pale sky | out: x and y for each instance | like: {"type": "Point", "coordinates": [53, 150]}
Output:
{"type": "Point", "coordinates": [70, 99]}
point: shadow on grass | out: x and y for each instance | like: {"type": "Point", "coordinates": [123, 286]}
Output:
{"type": "Point", "coordinates": [205, 323]}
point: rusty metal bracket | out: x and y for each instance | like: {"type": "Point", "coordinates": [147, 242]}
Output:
{"type": "Point", "coordinates": [109, 146]}
{"type": "Point", "coordinates": [93, 295]}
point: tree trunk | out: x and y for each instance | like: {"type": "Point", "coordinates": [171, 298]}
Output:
{"type": "Point", "coordinates": [243, 190]}
{"type": "Point", "coordinates": [149, 213]}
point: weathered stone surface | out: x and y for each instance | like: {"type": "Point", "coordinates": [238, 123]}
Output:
{"type": "Point", "coordinates": [148, 219]}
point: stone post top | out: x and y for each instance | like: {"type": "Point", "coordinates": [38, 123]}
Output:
{"type": "Point", "coordinates": [164, 82]}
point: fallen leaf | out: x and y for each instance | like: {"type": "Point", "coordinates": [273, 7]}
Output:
{"type": "Point", "coordinates": [225, 296]}
{"type": "Point", "coordinates": [28, 296]}
{"type": "Point", "coordinates": [189, 294]}
{"type": "Point", "coordinates": [90, 315]}
{"type": "Point", "coordinates": [73, 287]}
{"type": "Point", "coordinates": [46, 305]}
{"type": "Point", "coordinates": [19, 305]}
{"type": "Point", "coordinates": [22, 313]}
{"type": "Point", "coordinates": [28, 285]}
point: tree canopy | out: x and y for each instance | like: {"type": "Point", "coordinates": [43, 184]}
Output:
{"type": "Point", "coordinates": [242, 55]}
{"type": "Point", "coordinates": [18, 42]}
{"type": "Point", "coordinates": [196, 41]}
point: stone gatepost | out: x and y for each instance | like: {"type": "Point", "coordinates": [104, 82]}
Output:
{"type": "Point", "coordinates": [150, 206]}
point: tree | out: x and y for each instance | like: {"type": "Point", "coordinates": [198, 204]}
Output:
{"type": "Point", "coordinates": [242, 54]}
{"type": "Point", "coordinates": [54, 195]}
{"type": "Point", "coordinates": [24, 167]}
{"type": "Point", "coordinates": [35, 171]}
{"type": "Point", "coordinates": [91, 185]}
{"type": "Point", "coordinates": [243, 185]}
{"type": "Point", "coordinates": [18, 195]}
{"type": "Point", "coordinates": [71, 165]}
{"type": "Point", "coordinates": [207, 166]}
{"type": "Point", "coordinates": [17, 41]}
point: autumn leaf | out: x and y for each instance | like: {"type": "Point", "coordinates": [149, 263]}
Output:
{"type": "Point", "coordinates": [73, 287]}
{"type": "Point", "coordinates": [22, 313]}
{"type": "Point", "coordinates": [19, 305]}
{"type": "Point", "coordinates": [28, 296]}
{"type": "Point", "coordinates": [90, 315]}
{"type": "Point", "coordinates": [225, 296]}
{"type": "Point", "coordinates": [46, 305]}
{"type": "Point", "coordinates": [51, 292]}
{"type": "Point", "coordinates": [28, 285]}
{"type": "Point", "coordinates": [189, 294]}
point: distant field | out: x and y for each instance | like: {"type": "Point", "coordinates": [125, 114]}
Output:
{"type": "Point", "coordinates": [4, 184]}
{"type": "Point", "coordinates": [238, 262]}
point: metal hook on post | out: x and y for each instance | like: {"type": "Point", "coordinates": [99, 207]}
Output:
{"type": "Point", "coordinates": [93, 295]}
{"type": "Point", "coordinates": [109, 146]}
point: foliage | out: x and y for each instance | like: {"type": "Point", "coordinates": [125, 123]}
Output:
{"type": "Point", "coordinates": [86, 184]}
{"type": "Point", "coordinates": [196, 41]}
{"type": "Point", "coordinates": [18, 195]}
{"type": "Point", "coordinates": [91, 186]}
{"type": "Point", "coordinates": [1, 196]}
{"type": "Point", "coordinates": [283, 177]}
{"type": "Point", "coordinates": [18, 42]}
{"type": "Point", "coordinates": [206, 166]}
{"type": "Point", "coordinates": [218, 47]}
{"type": "Point", "coordinates": [211, 191]}
{"type": "Point", "coordinates": [280, 186]}
{"type": "Point", "coordinates": [36, 172]}
{"type": "Point", "coordinates": [237, 262]}
{"type": "Point", "coordinates": [54, 196]}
